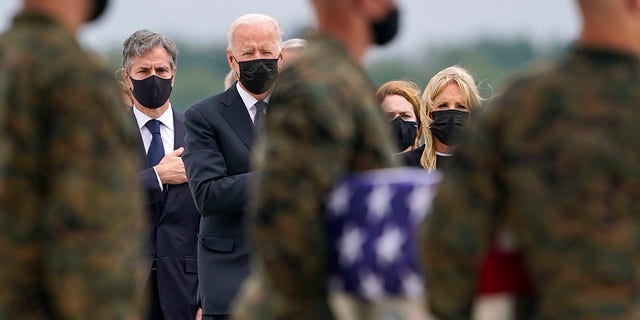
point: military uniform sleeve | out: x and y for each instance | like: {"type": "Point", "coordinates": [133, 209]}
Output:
{"type": "Point", "coordinates": [257, 300]}
{"type": "Point", "coordinates": [302, 150]}
{"type": "Point", "coordinates": [92, 221]}
{"type": "Point", "coordinates": [457, 230]}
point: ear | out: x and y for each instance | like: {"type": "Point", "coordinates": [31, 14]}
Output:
{"type": "Point", "coordinates": [362, 7]}
{"type": "Point", "coordinates": [173, 78]}
{"type": "Point", "coordinates": [375, 10]}
{"type": "Point", "coordinates": [127, 80]}
{"type": "Point", "coordinates": [230, 59]}
{"type": "Point", "coordinates": [281, 59]}
{"type": "Point", "coordinates": [233, 64]}
{"type": "Point", "coordinates": [359, 3]}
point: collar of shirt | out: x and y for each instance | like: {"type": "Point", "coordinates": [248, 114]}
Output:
{"type": "Point", "coordinates": [166, 118]}
{"type": "Point", "coordinates": [166, 129]}
{"type": "Point", "coordinates": [444, 154]}
{"type": "Point", "coordinates": [249, 100]}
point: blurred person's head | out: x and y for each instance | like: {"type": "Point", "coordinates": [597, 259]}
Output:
{"type": "Point", "coordinates": [447, 101]}
{"type": "Point", "coordinates": [70, 13]}
{"type": "Point", "coordinates": [127, 96]}
{"type": "Point", "coordinates": [611, 24]}
{"type": "Point", "coordinates": [358, 23]}
{"type": "Point", "coordinates": [230, 79]}
{"type": "Point", "coordinates": [400, 101]}
{"type": "Point", "coordinates": [149, 65]}
{"type": "Point", "coordinates": [292, 49]}
{"type": "Point", "coordinates": [254, 52]}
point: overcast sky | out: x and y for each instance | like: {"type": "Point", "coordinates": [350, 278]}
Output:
{"type": "Point", "coordinates": [424, 22]}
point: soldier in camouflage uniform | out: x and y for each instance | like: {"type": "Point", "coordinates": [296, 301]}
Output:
{"type": "Point", "coordinates": [71, 223]}
{"type": "Point", "coordinates": [555, 160]}
{"type": "Point", "coordinates": [323, 123]}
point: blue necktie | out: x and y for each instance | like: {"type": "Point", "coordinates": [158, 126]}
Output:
{"type": "Point", "coordinates": [156, 148]}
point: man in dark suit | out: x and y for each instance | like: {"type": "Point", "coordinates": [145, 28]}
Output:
{"type": "Point", "coordinates": [219, 138]}
{"type": "Point", "coordinates": [149, 67]}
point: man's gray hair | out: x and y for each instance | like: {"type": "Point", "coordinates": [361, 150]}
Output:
{"type": "Point", "coordinates": [143, 41]}
{"type": "Point", "coordinates": [253, 19]}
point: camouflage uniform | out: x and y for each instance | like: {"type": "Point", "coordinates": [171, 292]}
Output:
{"type": "Point", "coordinates": [323, 122]}
{"type": "Point", "coordinates": [70, 214]}
{"type": "Point", "coordinates": [555, 161]}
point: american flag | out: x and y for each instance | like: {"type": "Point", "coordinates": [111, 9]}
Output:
{"type": "Point", "coordinates": [371, 221]}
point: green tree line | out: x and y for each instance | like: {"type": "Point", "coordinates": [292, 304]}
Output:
{"type": "Point", "coordinates": [493, 62]}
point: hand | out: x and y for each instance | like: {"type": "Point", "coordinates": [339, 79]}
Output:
{"type": "Point", "coordinates": [199, 314]}
{"type": "Point", "coordinates": [171, 168]}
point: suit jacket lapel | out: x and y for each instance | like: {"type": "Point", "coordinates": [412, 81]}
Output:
{"type": "Point", "coordinates": [178, 129]}
{"type": "Point", "coordinates": [142, 153]}
{"type": "Point", "coordinates": [237, 116]}
{"type": "Point", "coordinates": [144, 161]}
{"type": "Point", "coordinates": [178, 141]}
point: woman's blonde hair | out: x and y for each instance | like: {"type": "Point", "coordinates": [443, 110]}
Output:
{"type": "Point", "coordinates": [468, 88]}
{"type": "Point", "coordinates": [408, 90]}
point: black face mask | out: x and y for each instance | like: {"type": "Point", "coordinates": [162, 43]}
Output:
{"type": "Point", "coordinates": [404, 132]}
{"type": "Point", "coordinates": [152, 92]}
{"type": "Point", "coordinates": [258, 76]}
{"type": "Point", "coordinates": [447, 125]}
{"type": "Point", "coordinates": [99, 6]}
{"type": "Point", "coordinates": [386, 29]}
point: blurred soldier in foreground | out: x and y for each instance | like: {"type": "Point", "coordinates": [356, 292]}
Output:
{"type": "Point", "coordinates": [71, 223]}
{"type": "Point", "coordinates": [324, 123]}
{"type": "Point", "coordinates": [554, 160]}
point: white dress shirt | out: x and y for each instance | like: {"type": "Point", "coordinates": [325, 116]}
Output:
{"type": "Point", "coordinates": [250, 101]}
{"type": "Point", "coordinates": [167, 132]}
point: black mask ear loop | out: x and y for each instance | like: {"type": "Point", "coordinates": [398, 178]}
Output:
{"type": "Point", "coordinates": [238, 63]}
{"type": "Point", "coordinates": [233, 58]}
{"type": "Point", "coordinates": [130, 80]}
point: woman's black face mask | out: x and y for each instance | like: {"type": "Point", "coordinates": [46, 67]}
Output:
{"type": "Point", "coordinates": [447, 125]}
{"type": "Point", "coordinates": [404, 132]}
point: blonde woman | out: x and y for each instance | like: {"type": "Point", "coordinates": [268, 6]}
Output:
{"type": "Point", "coordinates": [400, 101]}
{"type": "Point", "coordinates": [447, 101]}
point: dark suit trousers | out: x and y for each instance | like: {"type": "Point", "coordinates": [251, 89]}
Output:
{"type": "Point", "coordinates": [155, 311]}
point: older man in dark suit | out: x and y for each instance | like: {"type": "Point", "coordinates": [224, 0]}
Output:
{"type": "Point", "coordinates": [149, 68]}
{"type": "Point", "coordinates": [220, 135]}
